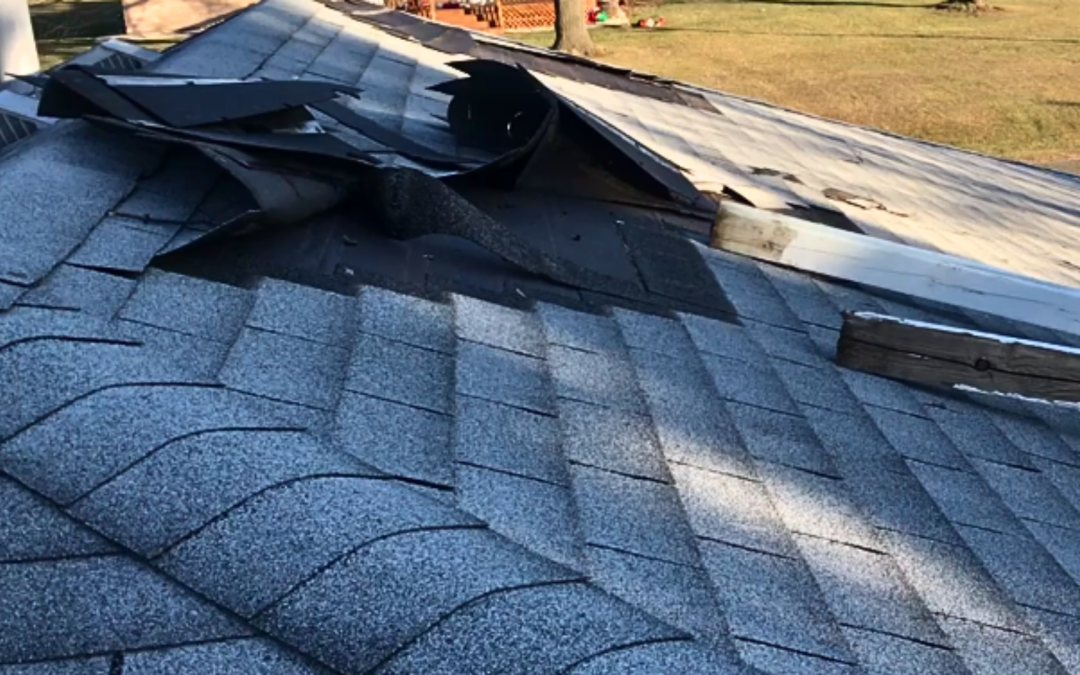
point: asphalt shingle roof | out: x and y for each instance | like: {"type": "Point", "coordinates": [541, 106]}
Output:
{"type": "Point", "coordinates": [198, 477]}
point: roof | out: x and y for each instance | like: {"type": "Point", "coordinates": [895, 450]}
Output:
{"type": "Point", "coordinates": [273, 459]}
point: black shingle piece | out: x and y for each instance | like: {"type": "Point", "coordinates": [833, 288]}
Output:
{"type": "Point", "coordinates": [662, 657]}
{"type": "Point", "coordinates": [32, 528]}
{"type": "Point", "coordinates": [537, 515]}
{"type": "Point", "coordinates": [1024, 570]}
{"type": "Point", "coordinates": [602, 379]}
{"type": "Point", "coordinates": [92, 666]}
{"type": "Point", "coordinates": [820, 387]}
{"type": "Point", "coordinates": [304, 312]}
{"type": "Point", "coordinates": [966, 498]}
{"type": "Point", "coordinates": [498, 326]}
{"type": "Point", "coordinates": [64, 370]}
{"type": "Point", "coordinates": [403, 318]}
{"type": "Point", "coordinates": [1029, 494]}
{"type": "Point", "coordinates": [881, 654]}
{"type": "Point", "coordinates": [588, 332]}
{"type": "Point", "coordinates": [508, 439]}
{"type": "Point", "coordinates": [692, 425]}
{"type": "Point", "coordinates": [732, 510]}
{"type": "Point", "coordinates": [778, 661]}
{"type": "Point", "coordinates": [812, 504]}
{"type": "Point", "coordinates": [258, 552]}
{"type": "Point", "coordinates": [188, 305]}
{"type": "Point", "coordinates": [975, 435]}
{"type": "Point", "coordinates": [654, 333]}
{"type": "Point", "coordinates": [721, 339]}
{"type": "Point", "coordinates": [785, 344]}
{"type": "Point", "coordinates": [773, 600]}
{"type": "Point", "coordinates": [784, 439]}
{"type": "Point", "coordinates": [881, 393]}
{"type": "Point", "coordinates": [208, 474]}
{"type": "Point", "coordinates": [680, 596]}
{"type": "Point", "coordinates": [917, 438]}
{"type": "Point", "coordinates": [952, 581]}
{"type": "Point", "coordinates": [853, 439]}
{"type": "Point", "coordinates": [69, 287]}
{"type": "Point", "coordinates": [543, 629]}
{"type": "Point", "coordinates": [992, 651]}
{"type": "Point", "coordinates": [399, 439]}
{"type": "Point", "coordinates": [399, 588]}
{"type": "Point", "coordinates": [92, 605]}
{"type": "Point", "coordinates": [254, 656]}
{"type": "Point", "coordinates": [123, 244]}
{"type": "Point", "coordinates": [896, 500]}
{"type": "Point", "coordinates": [285, 368]}
{"type": "Point", "coordinates": [750, 383]}
{"type": "Point", "coordinates": [611, 439]}
{"type": "Point", "coordinates": [98, 436]}
{"type": "Point", "coordinates": [504, 377]}
{"type": "Point", "coordinates": [1060, 634]}
{"type": "Point", "coordinates": [633, 515]}
{"type": "Point", "coordinates": [868, 590]}
{"type": "Point", "coordinates": [805, 299]}
{"type": "Point", "coordinates": [203, 358]}
{"type": "Point", "coordinates": [1035, 438]}
{"type": "Point", "coordinates": [401, 372]}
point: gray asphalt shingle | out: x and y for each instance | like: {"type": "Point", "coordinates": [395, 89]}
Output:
{"type": "Point", "coordinates": [611, 439]}
{"type": "Point", "coordinates": [975, 435]}
{"type": "Point", "coordinates": [498, 326]}
{"type": "Point", "coordinates": [262, 550]}
{"type": "Point", "coordinates": [69, 287]}
{"type": "Point", "coordinates": [917, 438]}
{"type": "Point", "coordinates": [285, 368]}
{"type": "Point", "coordinates": [123, 244]}
{"type": "Point", "coordinates": [508, 439]}
{"type": "Point", "coordinates": [254, 656]}
{"type": "Point", "coordinates": [304, 312]}
{"type": "Point", "coordinates": [33, 529]}
{"type": "Point", "coordinates": [579, 330]}
{"type": "Point", "coordinates": [91, 605]}
{"type": "Point", "coordinates": [750, 383]}
{"type": "Point", "coordinates": [504, 377]}
{"type": "Point", "coordinates": [722, 339]}
{"type": "Point", "coordinates": [672, 657]}
{"type": "Point", "coordinates": [779, 661]}
{"type": "Point", "coordinates": [882, 654]}
{"type": "Point", "coordinates": [93, 666]}
{"type": "Point", "coordinates": [781, 438]}
{"type": "Point", "coordinates": [965, 498]}
{"type": "Point", "coordinates": [601, 379]}
{"type": "Point", "coordinates": [993, 651]}
{"type": "Point", "coordinates": [188, 305]}
{"type": "Point", "coordinates": [1029, 494]}
{"type": "Point", "coordinates": [401, 372]}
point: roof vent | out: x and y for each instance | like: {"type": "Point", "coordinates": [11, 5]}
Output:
{"type": "Point", "coordinates": [14, 128]}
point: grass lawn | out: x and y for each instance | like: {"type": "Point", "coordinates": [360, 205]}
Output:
{"type": "Point", "coordinates": [1005, 83]}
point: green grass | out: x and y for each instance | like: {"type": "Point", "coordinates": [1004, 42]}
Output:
{"type": "Point", "coordinates": [1003, 83]}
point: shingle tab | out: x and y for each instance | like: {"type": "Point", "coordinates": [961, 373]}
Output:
{"type": "Point", "coordinates": [188, 305]}
{"type": "Point", "coordinates": [853, 439]}
{"type": "Point", "coordinates": [208, 473]}
{"type": "Point", "coordinates": [414, 321]}
{"type": "Point", "coordinates": [975, 435]}
{"type": "Point", "coordinates": [398, 588]}
{"type": "Point", "coordinates": [69, 287]}
{"type": "Point", "coordinates": [260, 551]}
{"type": "Point", "coordinates": [537, 515]}
{"type": "Point", "coordinates": [779, 661]}
{"type": "Point", "coordinates": [881, 654]}
{"type": "Point", "coordinates": [304, 312]}
{"type": "Point", "coordinates": [123, 244]}
{"type": "Point", "coordinates": [285, 368]}
{"type": "Point", "coordinates": [508, 439]}
{"type": "Point", "coordinates": [633, 515]}
{"type": "Point", "coordinates": [587, 332]}
{"type": "Point", "coordinates": [256, 656]}
{"type": "Point", "coordinates": [1024, 570]}
{"type": "Point", "coordinates": [92, 666]}
{"type": "Point", "coordinates": [400, 372]}
{"type": "Point", "coordinates": [600, 379]}
{"type": "Point", "coordinates": [692, 425]}
{"type": "Point", "coordinates": [566, 623]}
{"type": "Point", "coordinates": [611, 439]}
{"type": "Point", "coordinates": [812, 504]}
{"type": "Point", "coordinates": [504, 377]}
{"type": "Point", "coordinates": [786, 345]}
{"type": "Point", "coordinates": [965, 498]}
{"type": "Point", "coordinates": [917, 438]}
{"type": "Point", "coordinates": [752, 384]}
{"type": "Point", "coordinates": [951, 581]}
{"type": "Point", "coordinates": [128, 423]}
{"type": "Point", "coordinates": [1035, 438]}
{"type": "Point", "coordinates": [781, 438]}
{"type": "Point", "coordinates": [662, 657]}
{"type": "Point", "coordinates": [868, 590]}
{"type": "Point", "coordinates": [653, 333]}
{"type": "Point", "coordinates": [722, 339]}
{"type": "Point", "coordinates": [773, 600]}
{"type": "Point", "coordinates": [676, 594]}
{"type": "Point", "coordinates": [732, 510]}
{"type": "Point", "coordinates": [93, 605]}
{"type": "Point", "coordinates": [32, 528]}
{"type": "Point", "coordinates": [992, 651]}
{"type": "Point", "coordinates": [1029, 494]}
{"type": "Point", "coordinates": [1061, 543]}
{"type": "Point", "coordinates": [203, 358]}
{"type": "Point", "coordinates": [1060, 634]}
{"type": "Point", "coordinates": [881, 393]}
{"type": "Point", "coordinates": [399, 439]}
{"type": "Point", "coordinates": [498, 326]}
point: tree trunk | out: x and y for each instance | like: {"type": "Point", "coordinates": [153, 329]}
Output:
{"type": "Point", "coordinates": [18, 51]}
{"type": "Point", "coordinates": [571, 33]}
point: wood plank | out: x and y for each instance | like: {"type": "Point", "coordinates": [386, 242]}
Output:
{"type": "Point", "coordinates": [900, 268]}
{"type": "Point", "coordinates": [944, 356]}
